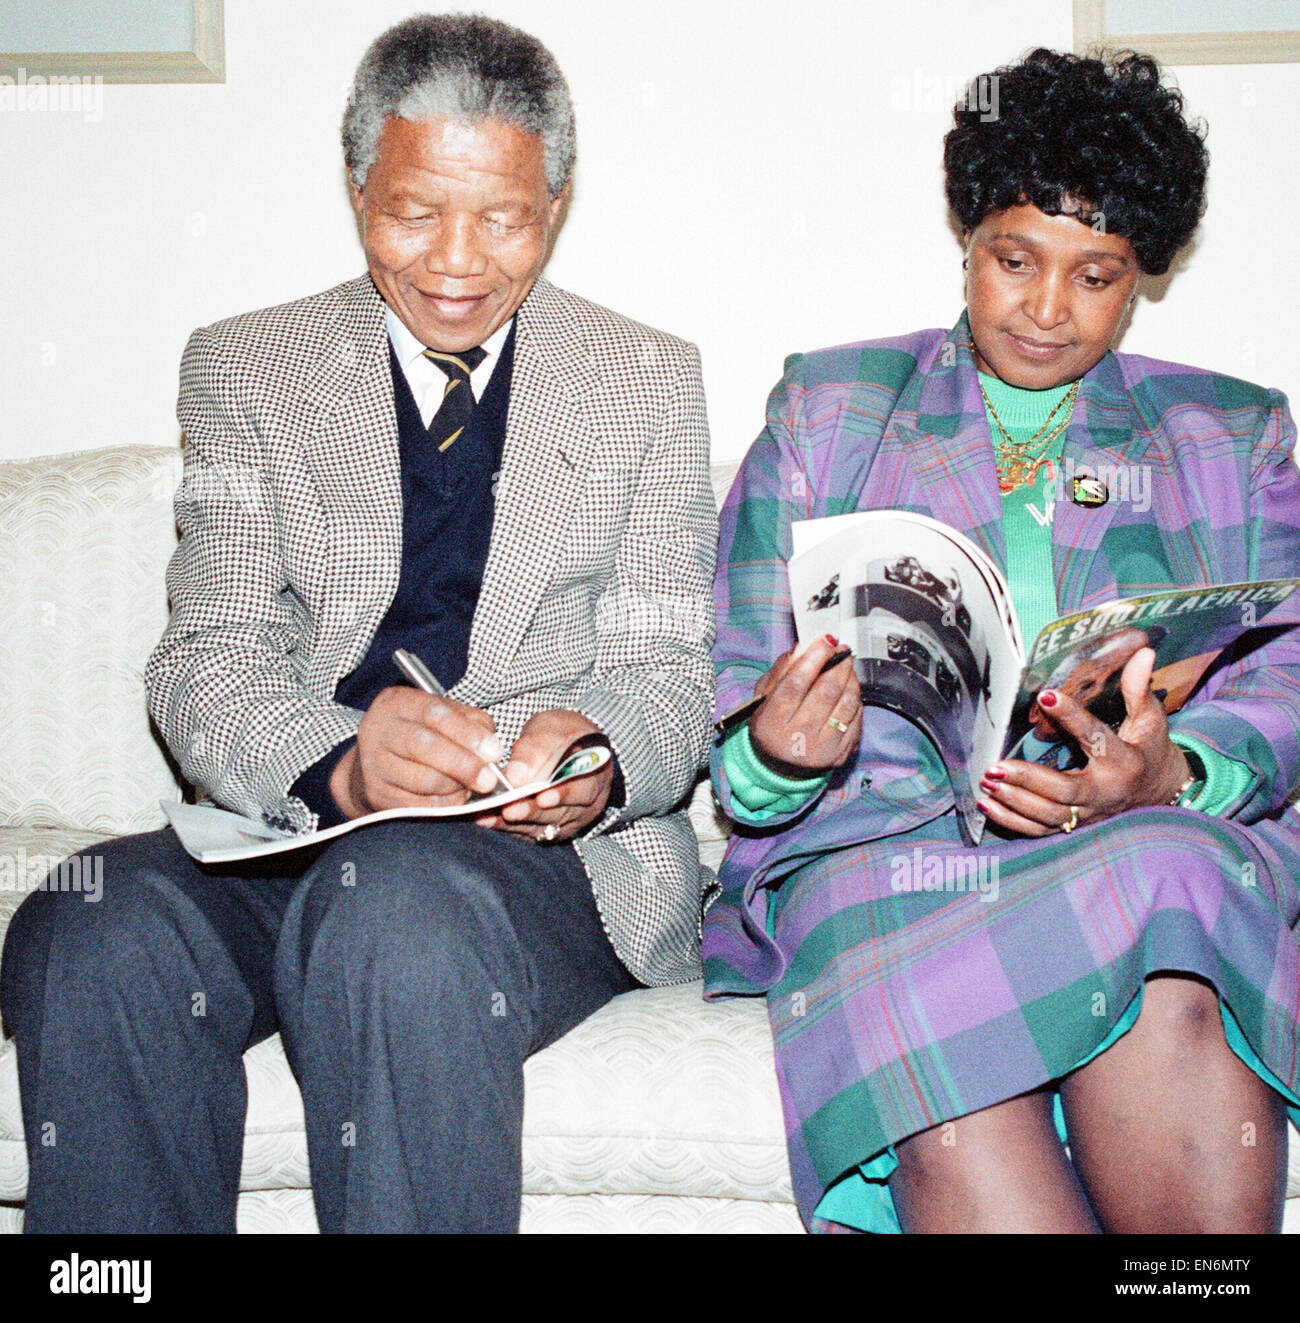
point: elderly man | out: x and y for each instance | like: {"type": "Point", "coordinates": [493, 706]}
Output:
{"type": "Point", "coordinates": [452, 456]}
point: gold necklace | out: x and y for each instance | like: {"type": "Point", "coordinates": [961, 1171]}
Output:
{"type": "Point", "coordinates": [1018, 462]}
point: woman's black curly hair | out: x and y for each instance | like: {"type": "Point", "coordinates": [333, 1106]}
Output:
{"type": "Point", "coordinates": [1078, 135]}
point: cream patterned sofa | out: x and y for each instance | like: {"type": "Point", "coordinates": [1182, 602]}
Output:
{"type": "Point", "coordinates": [660, 1113]}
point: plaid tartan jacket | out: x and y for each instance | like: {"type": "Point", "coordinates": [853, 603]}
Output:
{"type": "Point", "coordinates": [594, 597]}
{"type": "Point", "coordinates": [899, 424]}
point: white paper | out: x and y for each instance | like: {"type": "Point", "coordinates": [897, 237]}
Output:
{"type": "Point", "coordinates": [214, 836]}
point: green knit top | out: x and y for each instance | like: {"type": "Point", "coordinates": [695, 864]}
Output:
{"type": "Point", "coordinates": [1027, 511]}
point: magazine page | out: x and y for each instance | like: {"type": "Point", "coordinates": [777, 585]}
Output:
{"type": "Point", "coordinates": [807, 533]}
{"type": "Point", "coordinates": [931, 628]}
{"type": "Point", "coordinates": [1083, 655]}
{"type": "Point", "coordinates": [214, 836]}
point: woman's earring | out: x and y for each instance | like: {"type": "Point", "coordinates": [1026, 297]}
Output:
{"type": "Point", "coordinates": [965, 263]}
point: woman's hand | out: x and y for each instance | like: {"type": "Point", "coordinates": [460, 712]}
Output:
{"type": "Point", "coordinates": [809, 722]}
{"type": "Point", "coordinates": [1136, 766]}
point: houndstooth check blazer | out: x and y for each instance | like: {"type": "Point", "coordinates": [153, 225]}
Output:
{"type": "Point", "coordinates": [595, 597]}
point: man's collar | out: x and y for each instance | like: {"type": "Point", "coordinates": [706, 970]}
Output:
{"type": "Point", "coordinates": [409, 350]}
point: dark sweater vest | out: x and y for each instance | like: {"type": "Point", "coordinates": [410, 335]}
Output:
{"type": "Point", "coordinates": [447, 511]}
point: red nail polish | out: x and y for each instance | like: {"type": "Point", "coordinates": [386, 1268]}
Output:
{"type": "Point", "coordinates": [832, 640]}
{"type": "Point", "coordinates": [1047, 698]}
{"type": "Point", "coordinates": [988, 787]}
{"type": "Point", "coordinates": [995, 773]}
{"type": "Point", "coordinates": [983, 807]}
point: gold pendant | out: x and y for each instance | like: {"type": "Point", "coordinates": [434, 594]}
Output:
{"type": "Point", "coordinates": [1012, 469]}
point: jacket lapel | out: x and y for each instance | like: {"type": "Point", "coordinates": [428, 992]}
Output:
{"type": "Point", "coordinates": [550, 441]}
{"type": "Point", "coordinates": [352, 451]}
{"type": "Point", "coordinates": [940, 427]}
{"type": "Point", "coordinates": [1099, 440]}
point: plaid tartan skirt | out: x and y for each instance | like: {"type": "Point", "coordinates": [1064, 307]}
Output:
{"type": "Point", "coordinates": [927, 980]}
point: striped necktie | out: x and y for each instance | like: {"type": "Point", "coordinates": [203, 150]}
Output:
{"type": "Point", "coordinates": [457, 399]}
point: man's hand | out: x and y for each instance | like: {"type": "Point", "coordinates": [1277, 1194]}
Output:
{"type": "Point", "coordinates": [1137, 766]}
{"type": "Point", "coordinates": [415, 750]}
{"type": "Point", "coordinates": [563, 812]}
{"type": "Point", "coordinates": [809, 722]}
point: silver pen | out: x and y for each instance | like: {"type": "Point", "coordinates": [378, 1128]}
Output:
{"type": "Point", "coordinates": [423, 678]}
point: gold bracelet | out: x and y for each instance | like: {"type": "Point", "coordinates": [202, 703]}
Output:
{"type": "Point", "coordinates": [1196, 773]}
{"type": "Point", "coordinates": [1182, 790]}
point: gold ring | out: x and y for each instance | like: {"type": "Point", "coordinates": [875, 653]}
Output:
{"type": "Point", "coordinates": [836, 724]}
{"type": "Point", "coordinates": [1072, 821]}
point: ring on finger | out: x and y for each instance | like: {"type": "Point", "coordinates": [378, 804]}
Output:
{"type": "Point", "coordinates": [1072, 821]}
{"type": "Point", "coordinates": [551, 832]}
{"type": "Point", "coordinates": [836, 724]}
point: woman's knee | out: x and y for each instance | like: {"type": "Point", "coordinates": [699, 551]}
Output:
{"type": "Point", "coordinates": [971, 1142]}
{"type": "Point", "coordinates": [1180, 1011]}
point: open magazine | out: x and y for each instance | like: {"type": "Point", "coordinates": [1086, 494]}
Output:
{"type": "Point", "coordinates": [935, 638]}
{"type": "Point", "coordinates": [217, 836]}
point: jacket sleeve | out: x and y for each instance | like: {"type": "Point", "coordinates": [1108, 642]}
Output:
{"type": "Point", "coordinates": [651, 686]}
{"type": "Point", "coordinates": [1251, 707]}
{"type": "Point", "coordinates": [751, 590]}
{"type": "Point", "coordinates": [223, 684]}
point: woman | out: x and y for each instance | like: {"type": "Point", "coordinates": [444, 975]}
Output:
{"type": "Point", "coordinates": [1134, 986]}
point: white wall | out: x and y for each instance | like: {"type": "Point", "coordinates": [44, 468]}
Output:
{"type": "Point", "coordinates": [757, 176]}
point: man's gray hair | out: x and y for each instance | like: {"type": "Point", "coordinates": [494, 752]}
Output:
{"type": "Point", "coordinates": [462, 67]}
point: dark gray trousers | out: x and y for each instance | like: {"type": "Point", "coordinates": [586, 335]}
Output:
{"type": "Point", "coordinates": [410, 968]}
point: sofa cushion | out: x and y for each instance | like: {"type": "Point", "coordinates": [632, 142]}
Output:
{"type": "Point", "coordinates": [721, 476]}
{"type": "Point", "coordinates": [709, 824]}
{"type": "Point", "coordinates": [290, 1212]}
{"type": "Point", "coordinates": [657, 1093]}
{"type": "Point", "coordinates": [87, 539]}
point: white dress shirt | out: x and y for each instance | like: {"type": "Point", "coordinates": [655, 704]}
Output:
{"type": "Point", "coordinates": [428, 382]}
